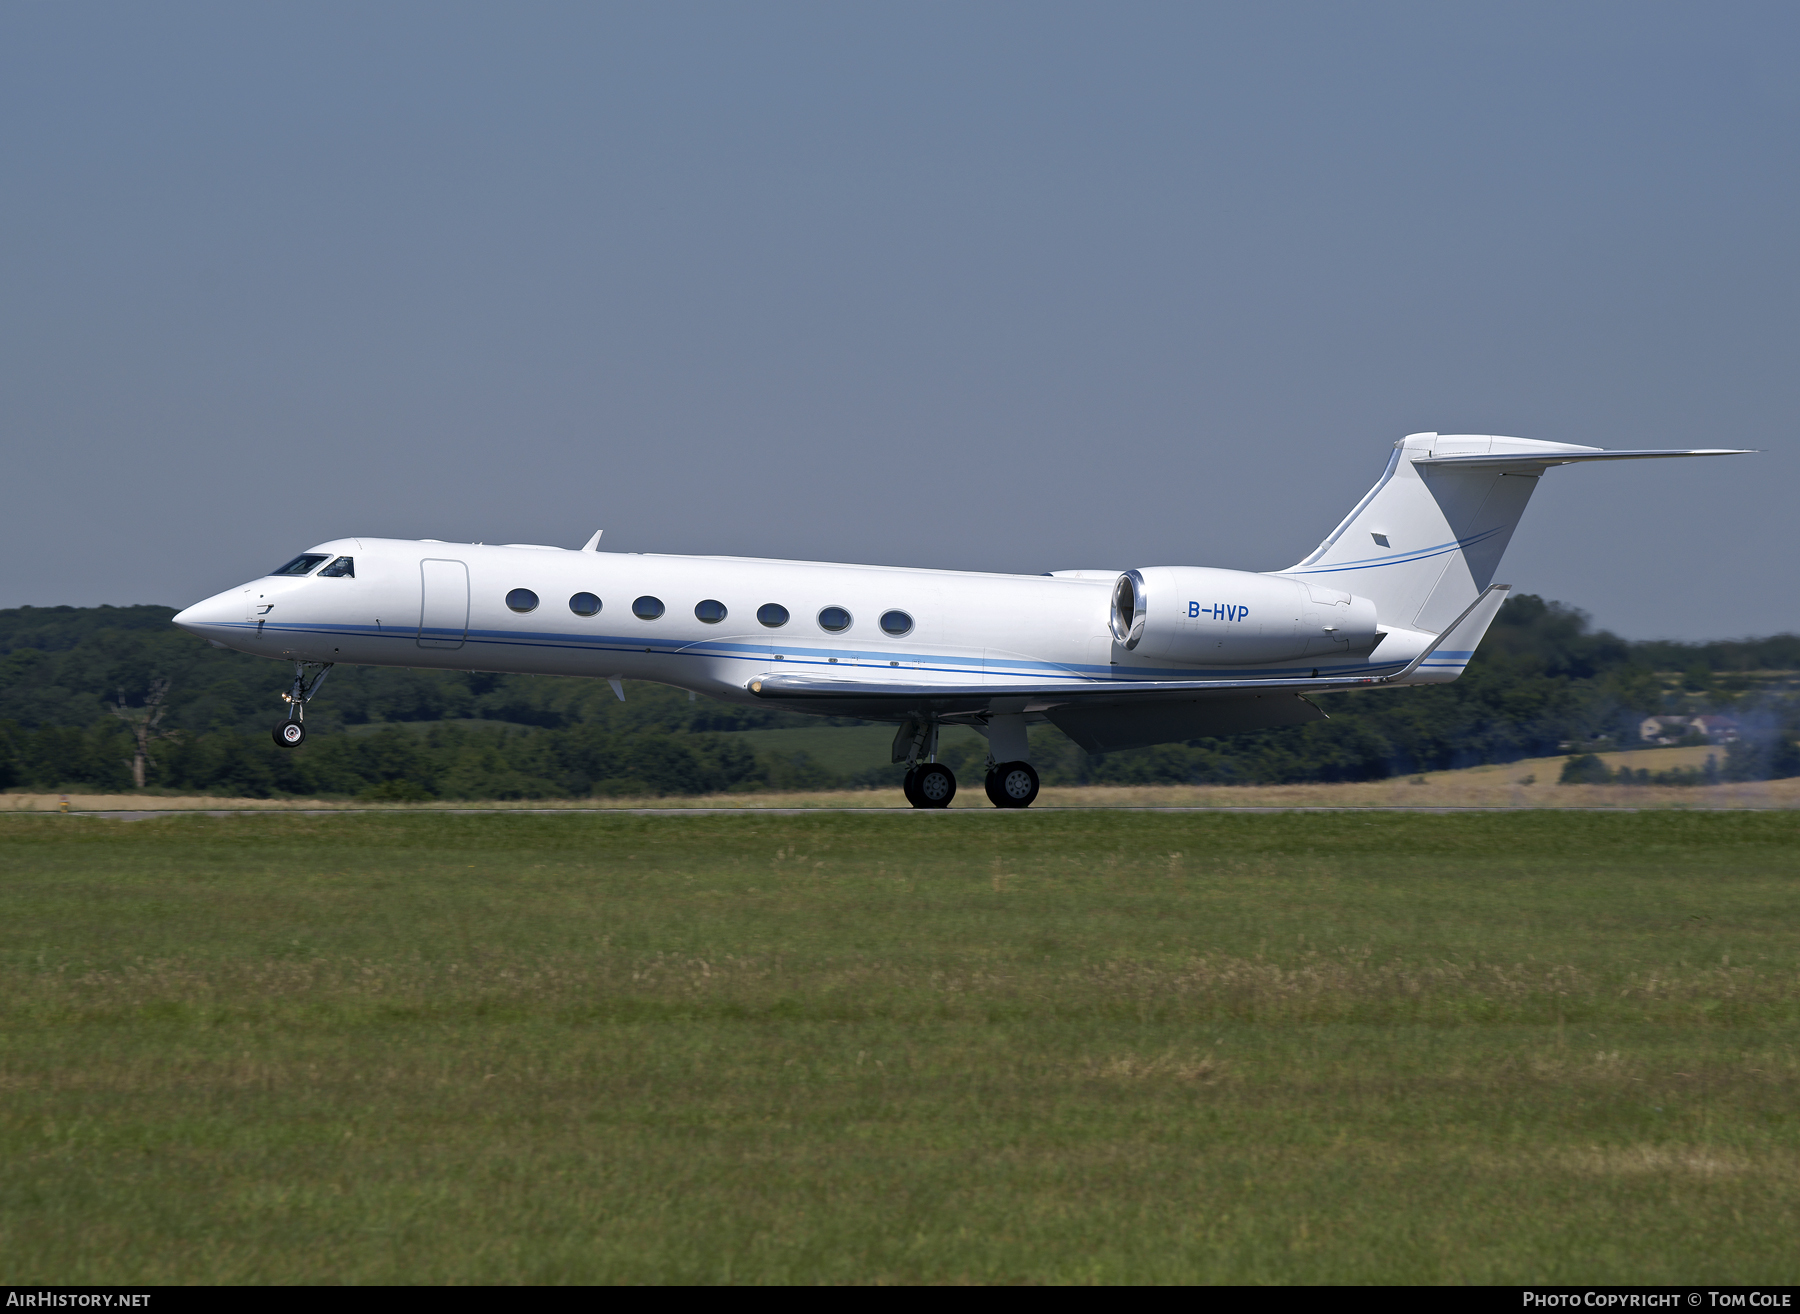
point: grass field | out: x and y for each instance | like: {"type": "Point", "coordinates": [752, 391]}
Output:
{"type": "Point", "coordinates": [946, 1047]}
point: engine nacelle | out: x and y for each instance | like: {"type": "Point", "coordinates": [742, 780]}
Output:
{"type": "Point", "coordinates": [1195, 616]}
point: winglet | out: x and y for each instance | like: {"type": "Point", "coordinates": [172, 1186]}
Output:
{"type": "Point", "coordinates": [593, 544]}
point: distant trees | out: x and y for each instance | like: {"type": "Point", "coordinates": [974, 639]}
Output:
{"type": "Point", "coordinates": [1762, 758]}
{"type": "Point", "coordinates": [69, 678]}
{"type": "Point", "coordinates": [1585, 769]}
{"type": "Point", "coordinates": [145, 725]}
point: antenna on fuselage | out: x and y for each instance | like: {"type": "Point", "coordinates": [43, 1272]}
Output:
{"type": "Point", "coordinates": [593, 544]}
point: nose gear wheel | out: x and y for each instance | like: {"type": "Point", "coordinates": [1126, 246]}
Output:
{"type": "Point", "coordinates": [291, 733]}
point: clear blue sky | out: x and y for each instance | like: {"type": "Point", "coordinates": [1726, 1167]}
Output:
{"type": "Point", "coordinates": [1014, 287]}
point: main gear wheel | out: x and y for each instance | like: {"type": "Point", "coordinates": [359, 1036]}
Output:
{"type": "Point", "coordinates": [1012, 785]}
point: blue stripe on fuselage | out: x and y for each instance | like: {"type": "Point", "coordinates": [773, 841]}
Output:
{"type": "Point", "coordinates": [938, 664]}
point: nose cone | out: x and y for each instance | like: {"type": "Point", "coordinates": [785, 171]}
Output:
{"type": "Point", "coordinates": [216, 618]}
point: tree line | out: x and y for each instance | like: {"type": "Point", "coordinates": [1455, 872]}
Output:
{"type": "Point", "coordinates": [112, 698]}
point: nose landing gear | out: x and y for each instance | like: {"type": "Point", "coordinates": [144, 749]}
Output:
{"type": "Point", "coordinates": [291, 733]}
{"type": "Point", "coordinates": [928, 784]}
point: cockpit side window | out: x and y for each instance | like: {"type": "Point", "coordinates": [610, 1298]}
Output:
{"type": "Point", "coordinates": [342, 568]}
{"type": "Point", "coordinates": [300, 565]}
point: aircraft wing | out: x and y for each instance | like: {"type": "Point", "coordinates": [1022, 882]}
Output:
{"type": "Point", "coordinates": [807, 688]}
{"type": "Point", "coordinates": [878, 698]}
{"type": "Point", "coordinates": [1100, 715]}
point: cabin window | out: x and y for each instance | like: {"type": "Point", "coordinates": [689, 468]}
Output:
{"type": "Point", "coordinates": [647, 608]}
{"type": "Point", "coordinates": [710, 612]}
{"type": "Point", "coordinates": [342, 568]}
{"type": "Point", "coordinates": [895, 623]}
{"type": "Point", "coordinates": [522, 600]}
{"type": "Point", "coordinates": [772, 614]}
{"type": "Point", "coordinates": [834, 620]}
{"type": "Point", "coordinates": [585, 604]}
{"type": "Point", "coordinates": [301, 565]}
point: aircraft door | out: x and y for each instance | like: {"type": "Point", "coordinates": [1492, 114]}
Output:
{"type": "Point", "coordinates": [444, 604]}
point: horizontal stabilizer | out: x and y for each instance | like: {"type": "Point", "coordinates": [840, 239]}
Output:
{"type": "Point", "coordinates": [1543, 460]}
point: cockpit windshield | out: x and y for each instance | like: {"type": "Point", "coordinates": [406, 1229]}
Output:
{"type": "Point", "coordinates": [342, 568]}
{"type": "Point", "coordinates": [300, 565]}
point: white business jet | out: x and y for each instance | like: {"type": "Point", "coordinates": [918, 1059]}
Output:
{"type": "Point", "coordinates": [1400, 593]}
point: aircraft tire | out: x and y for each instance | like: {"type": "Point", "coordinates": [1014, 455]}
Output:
{"type": "Point", "coordinates": [1012, 785]}
{"type": "Point", "coordinates": [906, 788]}
{"type": "Point", "coordinates": [289, 734]}
{"type": "Point", "coordinates": [934, 785]}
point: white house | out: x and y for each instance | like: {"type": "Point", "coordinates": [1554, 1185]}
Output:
{"type": "Point", "coordinates": [1670, 729]}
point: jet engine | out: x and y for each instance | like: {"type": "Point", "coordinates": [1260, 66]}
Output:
{"type": "Point", "coordinates": [1196, 616]}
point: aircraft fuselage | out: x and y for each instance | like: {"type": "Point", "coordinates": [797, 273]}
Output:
{"type": "Point", "coordinates": [445, 606]}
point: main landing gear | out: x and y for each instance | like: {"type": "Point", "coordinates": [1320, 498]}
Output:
{"type": "Point", "coordinates": [931, 784]}
{"type": "Point", "coordinates": [1008, 785]}
{"type": "Point", "coordinates": [1011, 782]}
{"type": "Point", "coordinates": [291, 733]}
{"type": "Point", "coordinates": [928, 783]}
{"type": "Point", "coordinates": [1012, 785]}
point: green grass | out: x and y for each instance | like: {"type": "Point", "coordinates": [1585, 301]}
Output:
{"type": "Point", "coordinates": [944, 1047]}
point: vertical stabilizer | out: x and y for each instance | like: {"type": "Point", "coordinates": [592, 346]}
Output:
{"type": "Point", "coordinates": [1428, 538]}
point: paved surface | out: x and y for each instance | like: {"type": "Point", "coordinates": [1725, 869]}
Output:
{"type": "Point", "coordinates": [806, 812]}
